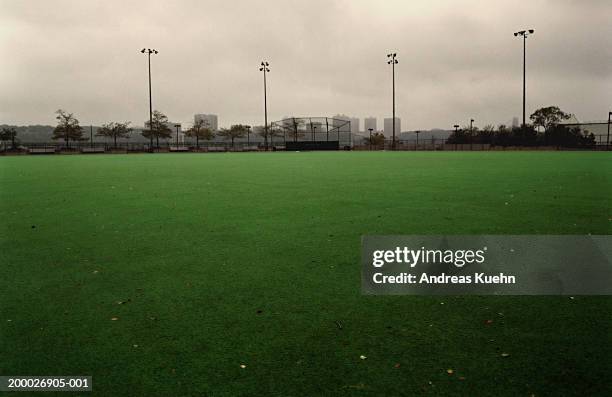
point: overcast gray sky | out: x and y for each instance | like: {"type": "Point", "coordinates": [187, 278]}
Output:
{"type": "Point", "coordinates": [457, 59]}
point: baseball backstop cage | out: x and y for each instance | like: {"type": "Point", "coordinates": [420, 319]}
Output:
{"type": "Point", "coordinates": [312, 133]}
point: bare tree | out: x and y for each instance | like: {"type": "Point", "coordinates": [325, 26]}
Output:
{"type": "Point", "coordinates": [115, 130]}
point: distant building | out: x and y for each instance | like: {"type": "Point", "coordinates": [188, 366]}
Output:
{"type": "Point", "coordinates": [339, 121]}
{"type": "Point", "coordinates": [369, 122]}
{"type": "Point", "coordinates": [515, 122]}
{"type": "Point", "coordinates": [210, 120]}
{"type": "Point", "coordinates": [388, 127]}
{"type": "Point", "coordinates": [354, 125]}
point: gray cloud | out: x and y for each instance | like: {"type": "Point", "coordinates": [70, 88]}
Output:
{"type": "Point", "coordinates": [458, 59]}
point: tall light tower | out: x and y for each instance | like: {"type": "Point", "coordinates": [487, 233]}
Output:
{"type": "Point", "coordinates": [264, 68]}
{"type": "Point", "coordinates": [608, 139]}
{"type": "Point", "coordinates": [471, 132]}
{"type": "Point", "coordinates": [524, 34]}
{"type": "Point", "coordinates": [150, 51]}
{"type": "Point", "coordinates": [392, 61]}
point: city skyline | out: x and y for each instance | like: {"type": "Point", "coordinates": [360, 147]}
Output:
{"type": "Point", "coordinates": [443, 77]}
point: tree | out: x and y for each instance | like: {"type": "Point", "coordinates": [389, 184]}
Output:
{"type": "Point", "coordinates": [564, 136]}
{"type": "Point", "coordinates": [200, 130]}
{"type": "Point", "coordinates": [548, 117]}
{"type": "Point", "coordinates": [68, 128]}
{"type": "Point", "coordinates": [503, 136]}
{"type": "Point", "coordinates": [115, 130]}
{"type": "Point", "coordinates": [235, 131]}
{"type": "Point", "coordinates": [9, 134]}
{"type": "Point", "coordinates": [159, 129]}
{"type": "Point", "coordinates": [377, 139]}
{"type": "Point", "coordinates": [487, 134]}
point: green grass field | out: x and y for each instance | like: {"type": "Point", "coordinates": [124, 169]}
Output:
{"type": "Point", "coordinates": [163, 274]}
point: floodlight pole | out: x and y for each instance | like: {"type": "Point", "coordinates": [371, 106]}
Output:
{"type": "Point", "coordinates": [417, 141]}
{"type": "Point", "coordinates": [248, 127]}
{"type": "Point", "coordinates": [327, 128]}
{"type": "Point", "coordinates": [370, 129]}
{"type": "Point", "coordinates": [524, 34]}
{"type": "Point", "coordinates": [392, 61]}
{"type": "Point", "coordinates": [471, 132]}
{"type": "Point", "coordinates": [264, 68]}
{"type": "Point", "coordinates": [91, 135]}
{"type": "Point", "coordinates": [608, 139]}
{"type": "Point", "coordinates": [150, 51]}
{"type": "Point", "coordinates": [314, 134]}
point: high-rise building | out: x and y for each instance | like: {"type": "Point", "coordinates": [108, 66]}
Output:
{"type": "Point", "coordinates": [515, 122]}
{"type": "Point", "coordinates": [369, 122]}
{"type": "Point", "coordinates": [354, 125]}
{"type": "Point", "coordinates": [389, 127]}
{"type": "Point", "coordinates": [339, 121]}
{"type": "Point", "coordinates": [210, 120]}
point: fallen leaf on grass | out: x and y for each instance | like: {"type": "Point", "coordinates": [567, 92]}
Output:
{"type": "Point", "coordinates": [450, 371]}
{"type": "Point", "coordinates": [362, 357]}
{"type": "Point", "coordinates": [124, 302]}
{"type": "Point", "coordinates": [488, 322]}
{"type": "Point", "coordinates": [505, 354]}
{"type": "Point", "coordinates": [358, 386]}
{"type": "Point", "coordinates": [114, 318]}
{"type": "Point", "coordinates": [397, 365]}
{"type": "Point", "coordinates": [242, 366]}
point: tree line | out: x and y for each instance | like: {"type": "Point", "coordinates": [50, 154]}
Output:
{"type": "Point", "coordinates": [546, 130]}
{"type": "Point", "coordinates": [69, 130]}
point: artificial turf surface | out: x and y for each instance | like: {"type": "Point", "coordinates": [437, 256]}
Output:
{"type": "Point", "coordinates": [163, 274]}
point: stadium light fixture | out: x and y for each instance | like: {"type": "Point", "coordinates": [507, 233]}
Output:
{"type": "Point", "coordinates": [417, 140]}
{"type": "Point", "coordinates": [524, 34]}
{"type": "Point", "coordinates": [456, 126]}
{"type": "Point", "coordinates": [370, 129]}
{"type": "Point", "coordinates": [265, 69]}
{"type": "Point", "coordinates": [149, 51]}
{"type": "Point", "coordinates": [393, 61]}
